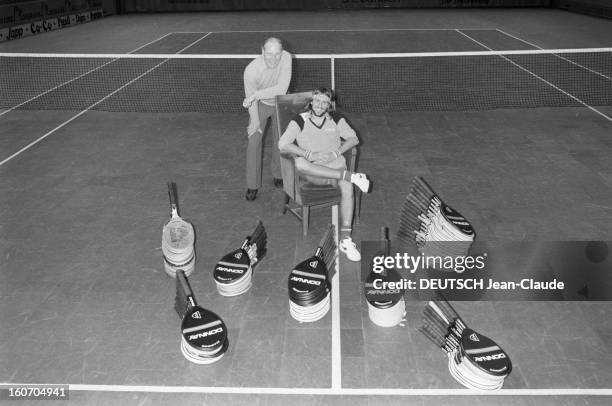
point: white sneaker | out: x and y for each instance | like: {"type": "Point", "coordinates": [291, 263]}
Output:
{"type": "Point", "coordinates": [361, 180]}
{"type": "Point", "coordinates": [350, 249]}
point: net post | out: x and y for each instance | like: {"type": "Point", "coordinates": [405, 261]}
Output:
{"type": "Point", "coordinates": [333, 73]}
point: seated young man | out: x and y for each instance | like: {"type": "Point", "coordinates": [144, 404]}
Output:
{"type": "Point", "coordinates": [322, 137]}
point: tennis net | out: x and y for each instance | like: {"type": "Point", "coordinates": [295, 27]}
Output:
{"type": "Point", "coordinates": [363, 82]}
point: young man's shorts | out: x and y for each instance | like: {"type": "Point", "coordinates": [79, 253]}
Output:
{"type": "Point", "coordinates": [338, 163]}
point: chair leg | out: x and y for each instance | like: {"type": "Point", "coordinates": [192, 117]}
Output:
{"type": "Point", "coordinates": [357, 206]}
{"type": "Point", "coordinates": [305, 218]}
{"type": "Point", "coordinates": [336, 217]}
{"type": "Point", "coordinates": [286, 204]}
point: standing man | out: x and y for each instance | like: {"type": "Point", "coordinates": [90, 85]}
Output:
{"type": "Point", "coordinates": [265, 77]}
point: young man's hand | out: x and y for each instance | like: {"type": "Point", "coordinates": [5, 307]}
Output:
{"type": "Point", "coordinates": [322, 157]}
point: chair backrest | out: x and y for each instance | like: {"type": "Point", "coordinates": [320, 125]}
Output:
{"type": "Point", "coordinates": [287, 106]}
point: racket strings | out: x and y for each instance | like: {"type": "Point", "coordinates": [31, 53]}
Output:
{"type": "Point", "coordinates": [178, 235]}
{"type": "Point", "coordinates": [178, 248]}
{"type": "Point", "coordinates": [178, 240]}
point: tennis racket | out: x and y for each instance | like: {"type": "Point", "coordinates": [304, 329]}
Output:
{"type": "Point", "coordinates": [386, 305]}
{"type": "Point", "coordinates": [435, 228]}
{"type": "Point", "coordinates": [309, 282]}
{"type": "Point", "coordinates": [233, 272]}
{"type": "Point", "coordinates": [203, 333]}
{"type": "Point", "coordinates": [474, 360]}
{"type": "Point", "coordinates": [178, 237]}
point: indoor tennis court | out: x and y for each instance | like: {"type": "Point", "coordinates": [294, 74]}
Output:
{"type": "Point", "coordinates": [506, 112]}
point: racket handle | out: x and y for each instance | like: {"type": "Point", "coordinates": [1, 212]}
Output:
{"type": "Point", "coordinates": [327, 236]}
{"type": "Point", "coordinates": [192, 302]}
{"type": "Point", "coordinates": [326, 244]}
{"type": "Point", "coordinates": [245, 243]}
{"type": "Point", "coordinates": [431, 336]}
{"type": "Point", "coordinates": [384, 239]}
{"type": "Point", "coordinates": [446, 306]}
{"type": "Point", "coordinates": [420, 181]}
{"type": "Point", "coordinates": [185, 287]}
{"type": "Point", "coordinates": [258, 234]}
{"type": "Point", "coordinates": [172, 195]}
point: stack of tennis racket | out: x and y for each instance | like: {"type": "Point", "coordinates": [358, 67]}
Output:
{"type": "Point", "coordinates": [203, 333]}
{"type": "Point", "coordinates": [435, 228]}
{"type": "Point", "coordinates": [178, 240]}
{"type": "Point", "coordinates": [309, 282]}
{"type": "Point", "coordinates": [475, 361]}
{"type": "Point", "coordinates": [386, 307]}
{"type": "Point", "coordinates": [233, 273]}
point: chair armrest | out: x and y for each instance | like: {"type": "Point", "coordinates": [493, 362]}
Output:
{"type": "Point", "coordinates": [350, 157]}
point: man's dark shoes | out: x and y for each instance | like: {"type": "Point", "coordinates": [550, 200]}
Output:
{"type": "Point", "coordinates": [278, 182]}
{"type": "Point", "coordinates": [251, 194]}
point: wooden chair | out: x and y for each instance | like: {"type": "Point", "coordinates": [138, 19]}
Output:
{"type": "Point", "coordinates": [300, 195]}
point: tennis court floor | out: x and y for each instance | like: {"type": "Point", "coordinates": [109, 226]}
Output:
{"type": "Point", "coordinates": [83, 296]}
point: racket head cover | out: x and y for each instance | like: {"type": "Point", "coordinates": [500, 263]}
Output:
{"type": "Point", "coordinates": [204, 330]}
{"type": "Point", "coordinates": [308, 281]}
{"type": "Point", "coordinates": [232, 266]}
{"type": "Point", "coordinates": [456, 219]}
{"type": "Point", "coordinates": [485, 353]}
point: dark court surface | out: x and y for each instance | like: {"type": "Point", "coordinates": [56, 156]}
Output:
{"type": "Point", "coordinates": [83, 295]}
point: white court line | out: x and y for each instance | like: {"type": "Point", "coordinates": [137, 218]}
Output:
{"type": "Point", "coordinates": [77, 115]}
{"type": "Point", "coordinates": [56, 87]}
{"type": "Point", "coordinates": [518, 39]}
{"type": "Point", "coordinates": [77, 78]}
{"type": "Point", "coordinates": [543, 80]}
{"type": "Point", "coordinates": [337, 30]}
{"type": "Point", "coordinates": [92, 106]}
{"type": "Point", "coordinates": [193, 43]}
{"type": "Point", "coordinates": [328, 391]}
{"type": "Point", "coordinates": [336, 355]}
{"type": "Point", "coordinates": [149, 43]}
{"type": "Point", "coordinates": [558, 56]}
